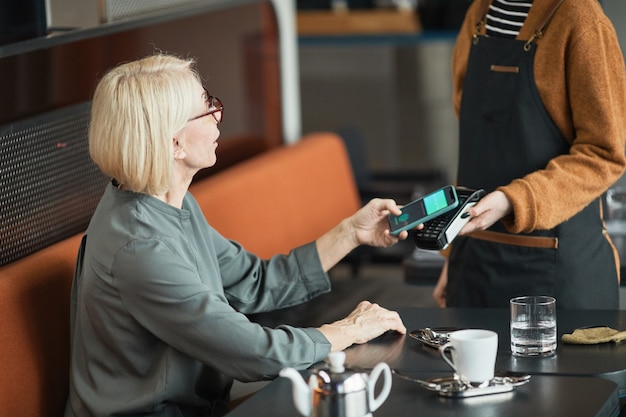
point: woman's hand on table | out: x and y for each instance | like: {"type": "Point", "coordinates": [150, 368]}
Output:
{"type": "Point", "coordinates": [366, 322]}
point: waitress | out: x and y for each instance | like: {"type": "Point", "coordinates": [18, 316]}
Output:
{"type": "Point", "coordinates": [540, 90]}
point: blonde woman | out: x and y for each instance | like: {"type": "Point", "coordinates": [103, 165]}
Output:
{"type": "Point", "coordinates": [159, 296]}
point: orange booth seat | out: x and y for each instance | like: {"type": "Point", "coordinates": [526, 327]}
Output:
{"type": "Point", "coordinates": [35, 332]}
{"type": "Point", "coordinates": [282, 198]}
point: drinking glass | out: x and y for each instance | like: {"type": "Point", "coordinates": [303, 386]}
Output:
{"type": "Point", "coordinates": [533, 325]}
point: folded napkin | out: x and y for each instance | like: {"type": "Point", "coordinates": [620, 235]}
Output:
{"type": "Point", "coordinates": [594, 335]}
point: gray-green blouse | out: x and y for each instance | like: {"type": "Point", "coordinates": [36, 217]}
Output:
{"type": "Point", "coordinates": [158, 303]}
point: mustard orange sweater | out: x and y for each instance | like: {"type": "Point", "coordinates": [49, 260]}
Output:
{"type": "Point", "coordinates": [580, 75]}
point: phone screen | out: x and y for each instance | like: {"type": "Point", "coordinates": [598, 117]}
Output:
{"type": "Point", "coordinates": [430, 204]}
{"type": "Point", "coordinates": [423, 209]}
{"type": "Point", "coordinates": [435, 202]}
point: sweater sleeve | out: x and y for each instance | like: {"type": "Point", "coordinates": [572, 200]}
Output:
{"type": "Point", "coordinates": [253, 285]}
{"type": "Point", "coordinates": [596, 86]}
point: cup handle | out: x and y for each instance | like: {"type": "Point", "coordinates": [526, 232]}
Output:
{"type": "Point", "coordinates": [375, 402]}
{"type": "Point", "coordinates": [442, 351]}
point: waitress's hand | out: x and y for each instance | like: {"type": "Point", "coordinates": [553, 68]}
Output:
{"type": "Point", "coordinates": [491, 208]}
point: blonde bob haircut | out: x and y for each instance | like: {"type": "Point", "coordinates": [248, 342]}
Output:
{"type": "Point", "coordinates": [138, 107]}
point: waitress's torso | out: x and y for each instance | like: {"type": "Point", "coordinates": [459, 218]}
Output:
{"type": "Point", "coordinates": [506, 133]}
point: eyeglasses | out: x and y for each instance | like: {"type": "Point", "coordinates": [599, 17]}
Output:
{"type": "Point", "coordinates": [215, 106]}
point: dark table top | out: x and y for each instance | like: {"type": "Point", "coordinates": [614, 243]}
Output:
{"type": "Point", "coordinates": [607, 360]}
{"type": "Point", "coordinates": [580, 380]}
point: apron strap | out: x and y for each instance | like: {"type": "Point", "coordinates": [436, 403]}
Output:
{"type": "Point", "coordinates": [544, 242]}
{"type": "Point", "coordinates": [481, 19]}
{"type": "Point", "coordinates": [482, 15]}
{"type": "Point", "coordinates": [543, 23]}
{"type": "Point", "coordinates": [549, 13]}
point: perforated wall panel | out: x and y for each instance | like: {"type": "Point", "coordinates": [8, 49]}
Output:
{"type": "Point", "coordinates": [115, 10]}
{"type": "Point", "coordinates": [49, 186]}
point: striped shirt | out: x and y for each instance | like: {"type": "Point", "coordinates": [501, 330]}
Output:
{"type": "Point", "coordinates": [506, 17]}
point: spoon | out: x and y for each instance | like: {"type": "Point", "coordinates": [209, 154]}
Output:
{"type": "Point", "coordinates": [511, 379]}
{"type": "Point", "coordinates": [427, 384]}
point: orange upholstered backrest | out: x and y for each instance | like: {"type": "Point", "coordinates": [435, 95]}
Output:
{"type": "Point", "coordinates": [283, 198]}
{"type": "Point", "coordinates": [34, 331]}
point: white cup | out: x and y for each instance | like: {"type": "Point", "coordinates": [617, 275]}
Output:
{"type": "Point", "coordinates": [473, 355]}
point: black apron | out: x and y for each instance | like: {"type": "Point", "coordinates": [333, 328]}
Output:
{"type": "Point", "coordinates": [506, 133]}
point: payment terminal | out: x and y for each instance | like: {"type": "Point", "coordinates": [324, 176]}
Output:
{"type": "Point", "coordinates": [438, 233]}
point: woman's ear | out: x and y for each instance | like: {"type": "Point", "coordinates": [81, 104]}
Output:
{"type": "Point", "coordinates": [177, 148]}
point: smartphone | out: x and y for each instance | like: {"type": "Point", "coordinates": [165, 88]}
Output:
{"type": "Point", "coordinates": [438, 233]}
{"type": "Point", "coordinates": [424, 209]}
